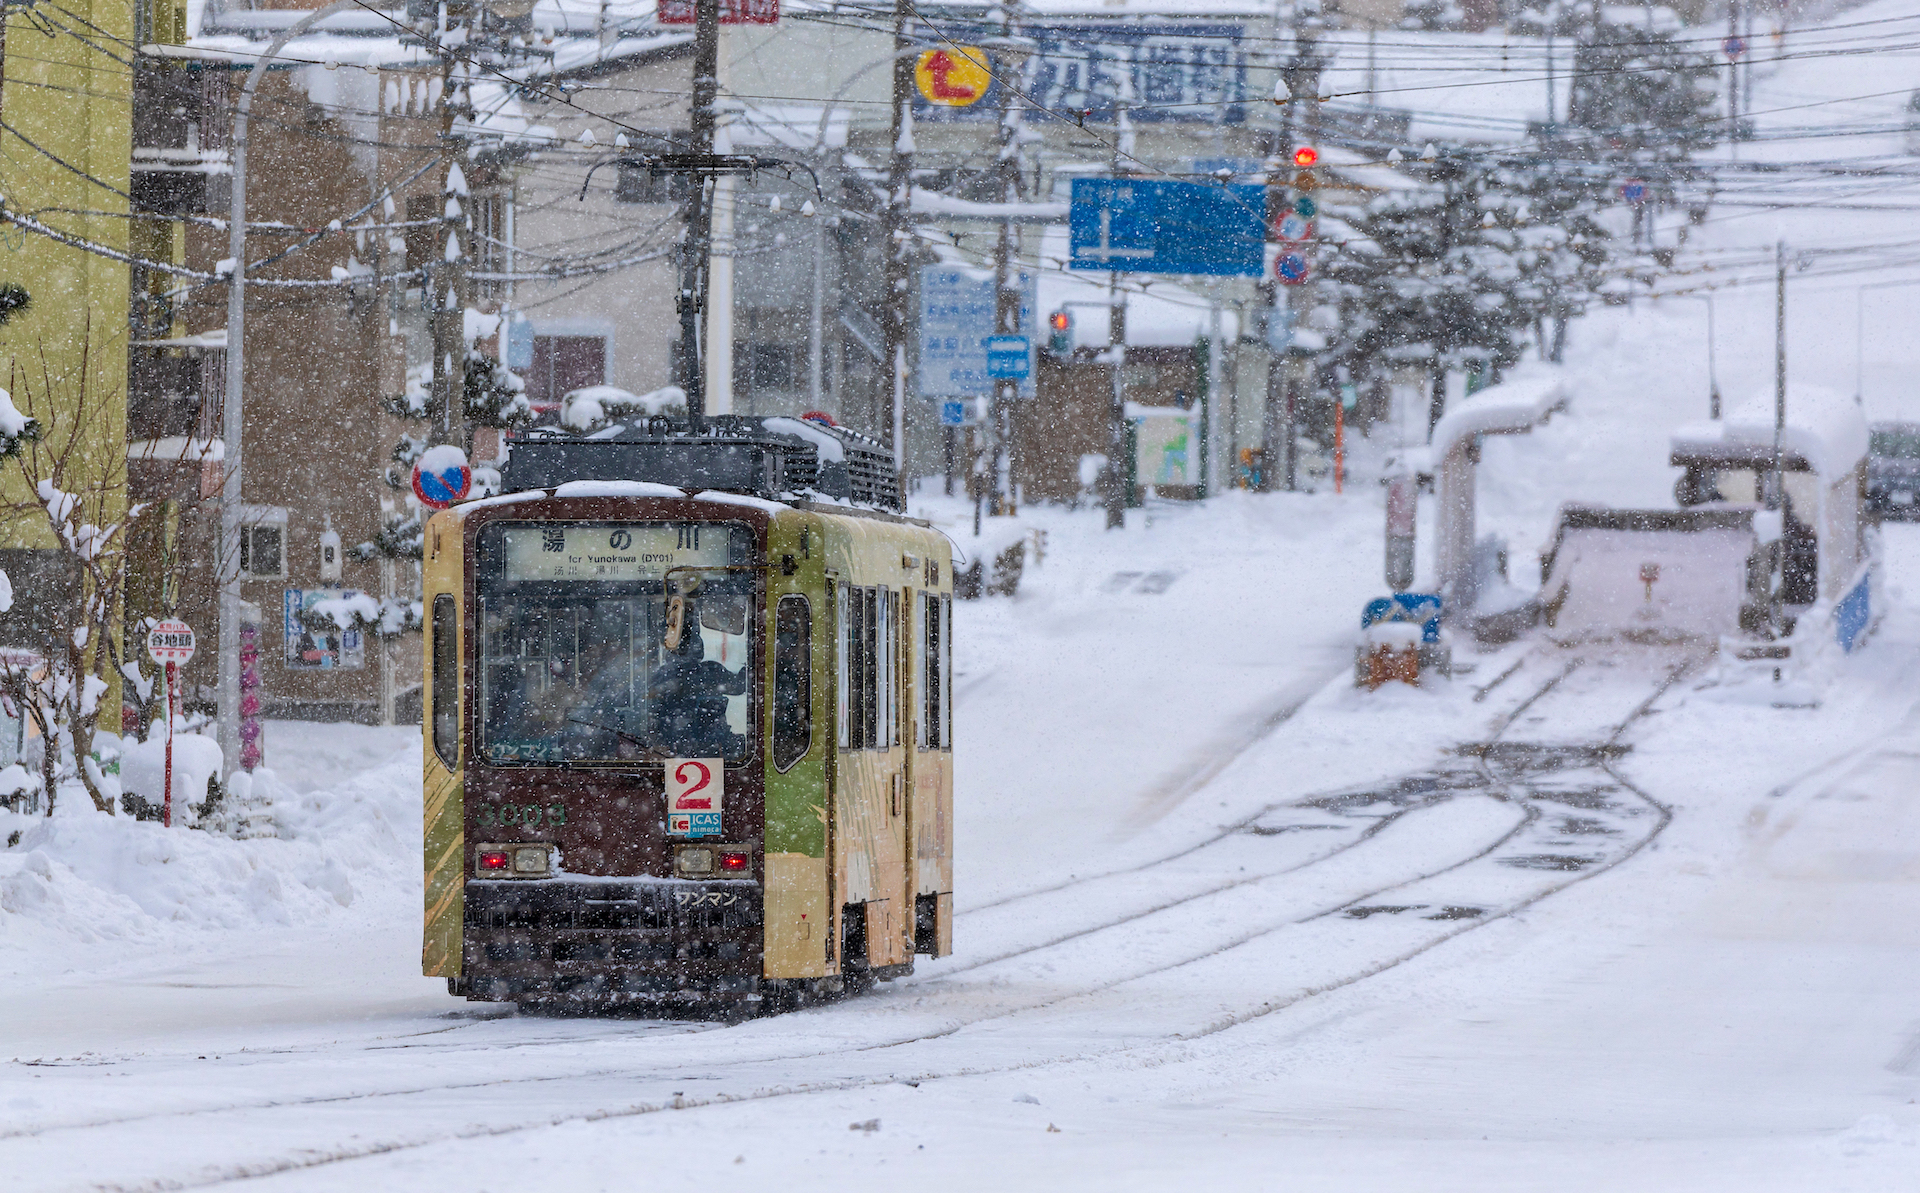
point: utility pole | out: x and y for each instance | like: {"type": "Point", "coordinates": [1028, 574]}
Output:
{"type": "Point", "coordinates": [1119, 469]}
{"type": "Point", "coordinates": [890, 408]}
{"type": "Point", "coordinates": [232, 425]}
{"type": "Point", "coordinates": [448, 289]}
{"type": "Point", "coordinates": [1008, 296]}
{"type": "Point", "coordinates": [697, 249]}
{"type": "Point", "coordinates": [1733, 76]}
{"type": "Point", "coordinates": [1775, 483]}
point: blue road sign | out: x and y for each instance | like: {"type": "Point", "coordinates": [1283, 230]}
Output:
{"type": "Point", "coordinates": [1009, 358]}
{"type": "Point", "coordinates": [956, 321]}
{"type": "Point", "coordinates": [957, 412]}
{"type": "Point", "coordinates": [1420, 608]}
{"type": "Point", "coordinates": [1733, 47]}
{"type": "Point", "coordinates": [1633, 190]}
{"type": "Point", "coordinates": [1144, 226]}
{"type": "Point", "coordinates": [1292, 267]}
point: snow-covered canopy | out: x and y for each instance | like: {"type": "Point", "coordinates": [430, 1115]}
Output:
{"type": "Point", "coordinates": [1824, 427]}
{"type": "Point", "coordinates": [1513, 406]}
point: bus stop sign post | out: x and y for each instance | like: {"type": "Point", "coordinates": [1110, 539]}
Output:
{"type": "Point", "coordinates": [170, 644]}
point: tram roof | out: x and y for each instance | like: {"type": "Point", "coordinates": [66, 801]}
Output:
{"type": "Point", "coordinates": [775, 459]}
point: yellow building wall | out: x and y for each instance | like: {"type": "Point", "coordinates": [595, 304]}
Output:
{"type": "Point", "coordinates": [66, 103]}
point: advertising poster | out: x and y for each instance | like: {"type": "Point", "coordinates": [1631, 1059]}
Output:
{"type": "Point", "coordinates": [320, 650]}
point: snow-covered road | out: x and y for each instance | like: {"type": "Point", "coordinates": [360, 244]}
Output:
{"type": "Point", "coordinates": [1348, 965]}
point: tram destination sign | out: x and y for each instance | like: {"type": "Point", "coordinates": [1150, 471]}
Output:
{"type": "Point", "coordinates": [612, 553]}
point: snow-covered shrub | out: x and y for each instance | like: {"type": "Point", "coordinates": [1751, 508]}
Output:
{"type": "Point", "coordinates": [79, 495]}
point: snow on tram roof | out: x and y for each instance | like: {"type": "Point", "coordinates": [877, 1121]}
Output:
{"type": "Point", "coordinates": [1824, 427]}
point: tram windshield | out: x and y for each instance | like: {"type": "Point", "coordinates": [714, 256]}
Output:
{"type": "Point", "coordinates": [580, 660]}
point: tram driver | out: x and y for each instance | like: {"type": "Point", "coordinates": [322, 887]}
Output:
{"type": "Point", "coordinates": [688, 698]}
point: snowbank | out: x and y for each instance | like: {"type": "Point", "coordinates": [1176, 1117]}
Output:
{"type": "Point", "coordinates": [82, 876]}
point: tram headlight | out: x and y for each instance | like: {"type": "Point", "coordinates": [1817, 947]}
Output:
{"type": "Point", "coordinates": [531, 860]}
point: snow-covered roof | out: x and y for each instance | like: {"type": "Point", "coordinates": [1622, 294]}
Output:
{"type": "Point", "coordinates": [1365, 170]}
{"type": "Point", "coordinates": [1824, 427]}
{"type": "Point", "coordinates": [928, 202]}
{"type": "Point", "coordinates": [1509, 408]}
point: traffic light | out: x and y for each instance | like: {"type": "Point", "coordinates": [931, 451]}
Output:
{"type": "Point", "coordinates": [1060, 324]}
{"type": "Point", "coordinates": [1300, 190]}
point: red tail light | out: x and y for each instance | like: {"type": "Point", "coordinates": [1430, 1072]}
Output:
{"type": "Point", "coordinates": [494, 859]}
{"type": "Point", "coordinates": [734, 863]}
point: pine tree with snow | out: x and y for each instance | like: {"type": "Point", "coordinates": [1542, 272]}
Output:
{"type": "Point", "coordinates": [1642, 94]}
{"type": "Point", "coordinates": [1463, 272]}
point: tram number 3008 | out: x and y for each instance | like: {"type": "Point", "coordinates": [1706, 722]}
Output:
{"type": "Point", "coordinates": [529, 816]}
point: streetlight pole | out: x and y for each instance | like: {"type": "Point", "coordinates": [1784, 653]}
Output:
{"type": "Point", "coordinates": [231, 423]}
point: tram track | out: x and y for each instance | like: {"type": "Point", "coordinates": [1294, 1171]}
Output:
{"type": "Point", "coordinates": [1512, 775]}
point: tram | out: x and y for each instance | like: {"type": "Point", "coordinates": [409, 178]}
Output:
{"type": "Point", "coordinates": [689, 722]}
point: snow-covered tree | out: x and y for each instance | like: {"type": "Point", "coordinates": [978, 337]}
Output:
{"type": "Point", "coordinates": [50, 420]}
{"type": "Point", "coordinates": [1642, 94]}
{"type": "Point", "coordinates": [1462, 272]}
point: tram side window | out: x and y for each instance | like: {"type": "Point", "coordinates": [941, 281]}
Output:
{"type": "Point", "coordinates": [843, 662]}
{"type": "Point", "coordinates": [792, 681]}
{"type": "Point", "coordinates": [946, 673]}
{"type": "Point", "coordinates": [866, 620]}
{"type": "Point", "coordinates": [446, 680]}
{"type": "Point", "coordinates": [924, 734]}
{"type": "Point", "coordinates": [883, 671]}
{"type": "Point", "coordinates": [931, 670]}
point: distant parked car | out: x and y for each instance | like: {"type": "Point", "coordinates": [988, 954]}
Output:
{"type": "Point", "coordinates": [1893, 470]}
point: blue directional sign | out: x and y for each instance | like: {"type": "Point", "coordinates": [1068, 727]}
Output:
{"type": "Point", "coordinates": [1009, 358]}
{"type": "Point", "coordinates": [1144, 226]}
{"type": "Point", "coordinates": [956, 322]}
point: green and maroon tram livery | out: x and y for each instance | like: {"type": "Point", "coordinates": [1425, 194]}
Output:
{"type": "Point", "coordinates": [688, 723]}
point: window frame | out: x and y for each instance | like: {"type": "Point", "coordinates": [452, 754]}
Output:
{"type": "Point", "coordinates": [444, 625]}
{"type": "Point", "coordinates": [490, 583]}
{"type": "Point", "coordinates": [255, 518]}
{"type": "Point", "coordinates": [777, 743]}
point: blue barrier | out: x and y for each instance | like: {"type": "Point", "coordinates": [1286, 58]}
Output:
{"type": "Point", "coordinates": [1854, 613]}
{"type": "Point", "coordinates": [1421, 607]}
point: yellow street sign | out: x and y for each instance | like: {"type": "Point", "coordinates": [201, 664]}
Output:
{"type": "Point", "coordinates": [952, 78]}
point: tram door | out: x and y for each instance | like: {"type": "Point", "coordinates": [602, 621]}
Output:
{"type": "Point", "coordinates": [872, 781]}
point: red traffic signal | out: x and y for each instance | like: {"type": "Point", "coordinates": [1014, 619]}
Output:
{"type": "Point", "coordinates": [1306, 156]}
{"type": "Point", "coordinates": [1060, 321]}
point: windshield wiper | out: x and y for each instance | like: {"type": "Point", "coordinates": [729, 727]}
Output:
{"type": "Point", "coordinates": [622, 734]}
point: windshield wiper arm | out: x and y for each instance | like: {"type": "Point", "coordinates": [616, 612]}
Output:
{"type": "Point", "coordinates": [622, 734]}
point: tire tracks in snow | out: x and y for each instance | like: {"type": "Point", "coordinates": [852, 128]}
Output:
{"type": "Point", "coordinates": [1497, 770]}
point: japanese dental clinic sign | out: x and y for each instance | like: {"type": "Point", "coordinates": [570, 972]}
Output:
{"type": "Point", "coordinates": [956, 322]}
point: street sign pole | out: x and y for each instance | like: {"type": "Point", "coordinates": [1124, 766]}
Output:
{"type": "Point", "coordinates": [173, 678]}
{"type": "Point", "coordinates": [170, 643]}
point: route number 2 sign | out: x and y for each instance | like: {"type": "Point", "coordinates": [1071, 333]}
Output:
{"type": "Point", "coordinates": [693, 796]}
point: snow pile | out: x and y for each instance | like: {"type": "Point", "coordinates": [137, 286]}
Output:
{"type": "Point", "coordinates": [143, 768]}
{"type": "Point", "coordinates": [596, 405]}
{"type": "Point", "coordinates": [83, 876]}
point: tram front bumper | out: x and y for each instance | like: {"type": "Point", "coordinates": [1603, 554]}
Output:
{"type": "Point", "coordinates": [644, 940]}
